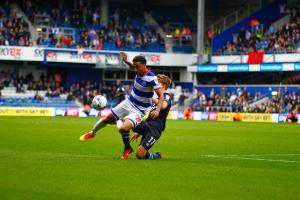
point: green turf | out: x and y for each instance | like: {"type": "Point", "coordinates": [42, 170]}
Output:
{"type": "Point", "coordinates": [41, 158]}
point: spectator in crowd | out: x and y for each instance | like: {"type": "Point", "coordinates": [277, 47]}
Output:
{"type": "Point", "coordinates": [283, 102]}
{"type": "Point", "coordinates": [38, 97]}
{"type": "Point", "coordinates": [119, 32]}
{"type": "Point", "coordinates": [181, 100]}
{"type": "Point", "coordinates": [13, 29]}
{"type": "Point", "coordinates": [268, 39]}
{"type": "Point", "coordinates": [186, 33]}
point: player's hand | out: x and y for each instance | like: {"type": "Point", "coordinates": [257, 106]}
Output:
{"type": "Point", "coordinates": [154, 114]}
{"type": "Point", "coordinates": [124, 56]}
{"type": "Point", "coordinates": [134, 137]}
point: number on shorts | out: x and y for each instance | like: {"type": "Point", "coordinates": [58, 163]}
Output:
{"type": "Point", "coordinates": [151, 141]}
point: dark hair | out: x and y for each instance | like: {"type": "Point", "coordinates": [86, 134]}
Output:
{"type": "Point", "coordinates": [140, 59]}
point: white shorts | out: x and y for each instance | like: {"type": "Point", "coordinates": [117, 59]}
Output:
{"type": "Point", "coordinates": [126, 110]}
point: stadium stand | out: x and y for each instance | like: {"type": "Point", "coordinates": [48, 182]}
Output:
{"type": "Point", "coordinates": [13, 29]}
{"type": "Point", "coordinates": [254, 99]}
{"type": "Point", "coordinates": [177, 24]}
{"type": "Point", "coordinates": [267, 38]}
{"type": "Point", "coordinates": [49, 92]}
{"type": "Point", "coordinates": [62, 24]}
{"type": "Point", "coordinates": [32, 102]}
{"type": "Point", "coordinates": [126, 29]}
{"type": "Point", "coordinates": [266, 16]}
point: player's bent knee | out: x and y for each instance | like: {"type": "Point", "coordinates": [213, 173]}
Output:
{"type": "Point", "coordinates": [141, 152]}
{"type": "Point", "coordinates": [139, 155]}
{"type": "Point", "coordinates": [109, 119]}
{"type": "Point", "coordinates": [123, 129]}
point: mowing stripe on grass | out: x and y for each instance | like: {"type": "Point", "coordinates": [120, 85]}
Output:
{"type": "Point", "coordinates": [245, 158]}
{"type": "Point", "coordinates": [254, 155]}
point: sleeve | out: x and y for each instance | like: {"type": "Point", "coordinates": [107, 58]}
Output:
{"type": "Point", "coordinates": [167, 98]}
{"type": "Point", "coordinates": [155, 83]}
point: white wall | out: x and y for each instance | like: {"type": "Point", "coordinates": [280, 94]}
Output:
{"type": "Point", "coordinates": [185, 76]}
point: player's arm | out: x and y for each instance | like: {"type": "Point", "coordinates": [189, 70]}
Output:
{"type": "Point", "coordinates": [125, 59]}
{"type": "Point", "coordinates": [164, 105]}
{"type": "Point", "coordinates": [154, 114]}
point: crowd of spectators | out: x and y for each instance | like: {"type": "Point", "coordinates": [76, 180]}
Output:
{"type": "Point", "coordinates": [120, 36]}
{"type": "Point", "coordinates": [180, 32]}
{"type": "Point", "coordinates": [63, 12]}
{"type": "Point", "coordinates": [77, 13]}
{"type": "Point", "coordinates": [240, 101]}
{"type": "Point", "coordinates": [86, 90]}
{"type": "Point", "coordinates": [126, 28]}
{"type": "Point", "coordinates": [122, 31]}
{"type": "Point", "coordinates": [223, 101]}
{"type": "Point", "coordinates": [13, 29]}
{"type": "Point", "coordinates": [268, 39]}
{"type": "Point", "coordinates": [52, 86]}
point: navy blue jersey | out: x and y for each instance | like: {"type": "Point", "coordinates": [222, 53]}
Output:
{"type": "Point", "coordinates": [160, 121]}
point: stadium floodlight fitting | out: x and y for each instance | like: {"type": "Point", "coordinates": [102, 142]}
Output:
{"type": "Point", "coordinates": [169, 36]}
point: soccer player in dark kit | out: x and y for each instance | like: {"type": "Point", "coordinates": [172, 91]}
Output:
{"type": "Point", "coordinates": [151, 129]}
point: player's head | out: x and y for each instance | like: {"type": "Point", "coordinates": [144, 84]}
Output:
{"type": "Point", "coordinates": [164, 81]}
{"type": "Point", "coordinates": [139, 65]}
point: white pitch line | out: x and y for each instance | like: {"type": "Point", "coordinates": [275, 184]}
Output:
{"type": "Point", "coordinates": [245, 158]}
{"type": "Point", "coordinates": [254, 155]}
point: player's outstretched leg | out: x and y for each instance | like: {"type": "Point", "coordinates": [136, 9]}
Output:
{"type": "Point", "coordinates": [124, 129]}
{"type": "Point", "coordinates": [101, 123]}
{"type": "Point", "coordinates": [142, 153]}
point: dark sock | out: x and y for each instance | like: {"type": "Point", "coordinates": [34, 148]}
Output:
{"type": "Point", "coordinates": [126, 141]}
{"type": "Point", "coordinates": [147, 155]}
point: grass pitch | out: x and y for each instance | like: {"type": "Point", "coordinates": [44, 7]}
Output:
{"type": "Point", "coordinates": [42, 158]}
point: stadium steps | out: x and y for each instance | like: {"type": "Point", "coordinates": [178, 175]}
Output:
{"type": "Point", "coordinates": [263, 100]}
{"type": "Point", "coordinates": [33, 32]}
{"type": "Point", "coordinates": [29, 102]}
{"type": "Point", "coordinates": [12, 99]}
{"type": "Point", "coordinates": [266, 16]}
{"type": "Point", "coordinates": [177, 92]}
{"type": "Point", "coordinates": [168, 42]}
{"type": "Point", "coordinates": [281, 22]}
{"type": "Point", "coordinates": [8, 92]}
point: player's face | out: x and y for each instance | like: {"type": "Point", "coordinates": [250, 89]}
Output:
{"type": "Point", "coordinates": [139, 68]}
{"type": "Point", "coordinates": [163, 86]}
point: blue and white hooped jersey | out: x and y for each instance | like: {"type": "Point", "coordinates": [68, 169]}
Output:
{"type": "Point", "coordinates": [143, 90]}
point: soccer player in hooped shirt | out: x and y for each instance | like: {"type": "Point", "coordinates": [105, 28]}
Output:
{"type": "Point", "coordinates": [151, 129]}
{"type": "Point", "coordinates": [132, 109]}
